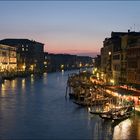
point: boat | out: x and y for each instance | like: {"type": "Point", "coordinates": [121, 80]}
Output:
{"type": "Point", "coordinates": [123, 114]}
{"type": "Point", "coordinates": [72, 95]}
{"type": "Point", "coordinates": [102, 106]}
{"type": "Point", "coordinates": [89, 102]}
{"type": "Point", "coordinates": [106, 116]}
{"type": "Point", "coordinates": [82, 103]}
{"type": "Point", "coordinates": [119, 114]}
{"type": "Point", "coordinates": [117, 120]}
{"type": "Point", "coordinates": [97, 112]}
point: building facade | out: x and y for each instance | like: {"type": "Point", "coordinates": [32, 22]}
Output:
{"type": "Point", "coordinates": [133, 60]}
{"type": "Point", "coordinates": [8, 60]}
{"type": "Point", "coordinates": [97, 62]}
{"type": "Point", "coordinates": [120, 58]}
{"type": "Point", "coordinates": [59, 62]}
{"type": "Point", "coordinates": [106, 60]}
{"type": "Point", "coordinates": [30, 54]}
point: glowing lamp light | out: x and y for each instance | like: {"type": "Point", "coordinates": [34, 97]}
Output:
{"type": "Point", "coordinates": [45, 62]}
{"type": "Point", "coordinates": [24, 67]}
{"type": "Point", "coordinates": [32, 67]}
{"type": "Point", "coordinates": [109, 53]}
{"type": "Point", "coordinates": [80, 64]}
{"type": "Point", "coordinates": [62, 66]}
{"type": "Point", "coordinates": [97, 75]}
{"type": "Point", "coordinates": [112, 81]}
{"type": "Point", "coordinates": [95, 69]}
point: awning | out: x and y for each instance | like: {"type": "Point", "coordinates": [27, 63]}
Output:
{"type": "Point", "coordinates": [123, 91]}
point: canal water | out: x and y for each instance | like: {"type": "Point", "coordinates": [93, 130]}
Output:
{"type": "Point", "coordinates": [36, 108]}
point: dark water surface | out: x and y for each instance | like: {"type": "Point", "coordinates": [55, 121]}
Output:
{"type": "Point", "coordinates": [36, 108]}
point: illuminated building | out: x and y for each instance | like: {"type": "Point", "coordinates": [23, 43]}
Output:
{"type": "Point", "coordinates": [120, 57]}
{"type": "Point", "coordinates": [106, 59]}
{"type": "Point", "coordinates": [30, 54]}
{"type": "Point", "coordinates": [8, 60]}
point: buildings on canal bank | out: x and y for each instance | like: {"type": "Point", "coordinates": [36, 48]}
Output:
{"type": "Point", "coordinates": [120, 64]}
{"type": "Point", "coordinates": [30, 54]}
{"type": "Point", "coordinates": [120, 59]}
{"type": "Point", "coordinates": [58, 62]}
{"type": "Point", "coordinates": [133, 60]}
{"type": "Point", "coordinates": [30, 57]}
{"type": "Point", "coordinates": [8, 58]}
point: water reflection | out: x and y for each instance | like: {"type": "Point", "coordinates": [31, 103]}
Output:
{"type": "Point", "coordinates": [100, 129]}
{"type": "Point", "coordinates": [105, 129]}
{"type": "Point", "coordinates": [23, 82]}
{"type": "Point", "coordinates": [122, 130]}
{"type": "Point", "coordinates": [13, 84]}
{"type": "Point", "coordinates": [35, 108]}
{"type": "Point", "coordinates": [45, 78]}
{"type": "Point", "coordinates": [32, 79]}
{"type": "Point", "coordinates": [62, 72]}
{"type": "Point", "coordinates": [3, 90]}
{"type": "Point", "coordinates": [4, 87]}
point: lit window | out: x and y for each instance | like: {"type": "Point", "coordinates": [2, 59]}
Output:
{"type": "Point", "coordinates": [26, 49]}
{"type": "Point", "coordinates": [22, 49]}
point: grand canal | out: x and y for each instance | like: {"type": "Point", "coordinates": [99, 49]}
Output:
{"type": "Point", "coordinates": [35, 108]}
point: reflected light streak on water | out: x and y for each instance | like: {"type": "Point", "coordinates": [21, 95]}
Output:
{"type": "Point", "coordinates": [122, 131]}
{"type": "Point", "coordinates": [23, 83]}
{"type": "Point", "coordinates": [3, 90]}
{"type": "Point", "coordinates": [32, 79]}
{"type": "Point", "coordinates": [13, 84]}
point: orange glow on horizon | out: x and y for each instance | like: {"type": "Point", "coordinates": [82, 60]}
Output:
{"type": "Point", "coordinates": [72, 48]}
{"type": "Point", "coordinates": [73, 52]}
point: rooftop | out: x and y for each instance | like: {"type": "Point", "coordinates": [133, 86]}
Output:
{"type": "Point", "coordinates": [15, 41]}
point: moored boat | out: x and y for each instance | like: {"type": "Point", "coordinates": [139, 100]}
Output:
{"type": "Point", "coordinates": [119, 114]}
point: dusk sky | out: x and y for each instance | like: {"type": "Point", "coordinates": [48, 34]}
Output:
{"type": "Point", "coordinates": [75, 27]}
